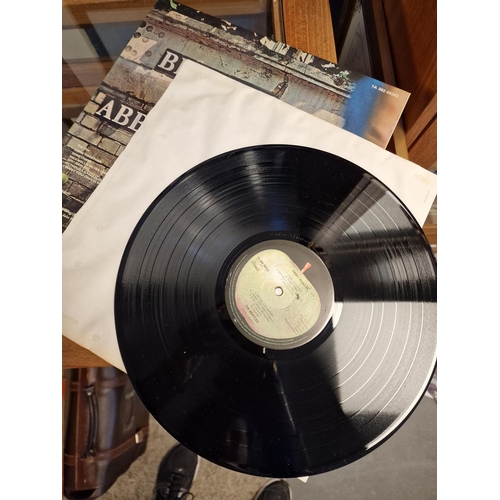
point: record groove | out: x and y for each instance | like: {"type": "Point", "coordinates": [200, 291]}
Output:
{"type": "Point", "coordinates": [288, 236]}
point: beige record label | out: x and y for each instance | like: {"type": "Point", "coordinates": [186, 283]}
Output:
{"type": "Point", "coordinates": [275, 297]}
{"type": "Point", "coordinates": [279, 294]}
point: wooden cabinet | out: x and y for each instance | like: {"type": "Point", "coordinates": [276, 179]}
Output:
{"type": "Point", "coordinates": [412, 32]}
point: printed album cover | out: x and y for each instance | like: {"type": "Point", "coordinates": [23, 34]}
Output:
{"type": "Point", "coordinates": [172, 33]}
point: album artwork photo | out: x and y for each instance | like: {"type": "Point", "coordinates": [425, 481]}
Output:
{"type": "Point", "coordinates": [173, 33]}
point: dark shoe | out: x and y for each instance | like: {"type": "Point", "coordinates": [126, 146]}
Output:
{"type": "Point", "coordinates": [176, 474]}
{"type": "Point", "coordinates": [276, 489]}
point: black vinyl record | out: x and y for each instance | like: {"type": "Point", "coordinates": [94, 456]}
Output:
{"type": "Point", "coordinates": [275, 310]}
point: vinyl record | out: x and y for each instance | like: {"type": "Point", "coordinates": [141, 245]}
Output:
{"type": "Point", "coordinates": [276, 311]}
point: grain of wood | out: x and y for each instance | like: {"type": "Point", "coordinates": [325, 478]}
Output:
{"type": "Point", "coordinates": [75, 356]}
{"type": "Point", "coordinates": [308, 27]}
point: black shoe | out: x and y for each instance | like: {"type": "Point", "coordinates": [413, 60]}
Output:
{"type": "Point", "coordinates": [276, 489]}
{"type": "Point", "coordinates": [176, 474]}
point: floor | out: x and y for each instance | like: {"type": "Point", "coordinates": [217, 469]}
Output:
{"type": "Point", "coordinates": [403, 468]}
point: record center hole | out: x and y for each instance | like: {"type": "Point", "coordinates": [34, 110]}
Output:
{"type": "Point", "coordinates": [278, 291]}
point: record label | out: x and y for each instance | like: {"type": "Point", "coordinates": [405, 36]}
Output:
{"type": "Point", "coordinates": [270, 298]}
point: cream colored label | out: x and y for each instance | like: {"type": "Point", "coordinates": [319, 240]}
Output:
{"type": "Point", "coordinates": [275, 297]}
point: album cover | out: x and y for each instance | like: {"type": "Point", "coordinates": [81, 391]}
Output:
{"type": "Point", "coordinates": [172, 33]}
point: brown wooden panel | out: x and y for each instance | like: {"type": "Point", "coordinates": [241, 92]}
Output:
{"type": "Point", "coordinates": [430, 231]}
{"type": "Point", "coordinates": [422, 122]}
{"type": "Point", "coordinates": [308, 27]}
{"type": "Point", "coordinates": [75, 356]}
{"type": "Point", "coordinates": [412, 28]}
{"type": "Point", "coordinates": [423, 151]}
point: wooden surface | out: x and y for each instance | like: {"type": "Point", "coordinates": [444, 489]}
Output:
{"type": "Point", "coordinates": [308, 26]}
{"type": "Point", "coordinates": [75, 356]}
{"type": "Point", "coordinates": [430, 231]}
{"type": "Point", "coordinates": [412, 29]}
{"type": "Point", "coordinates": [423, 151]}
